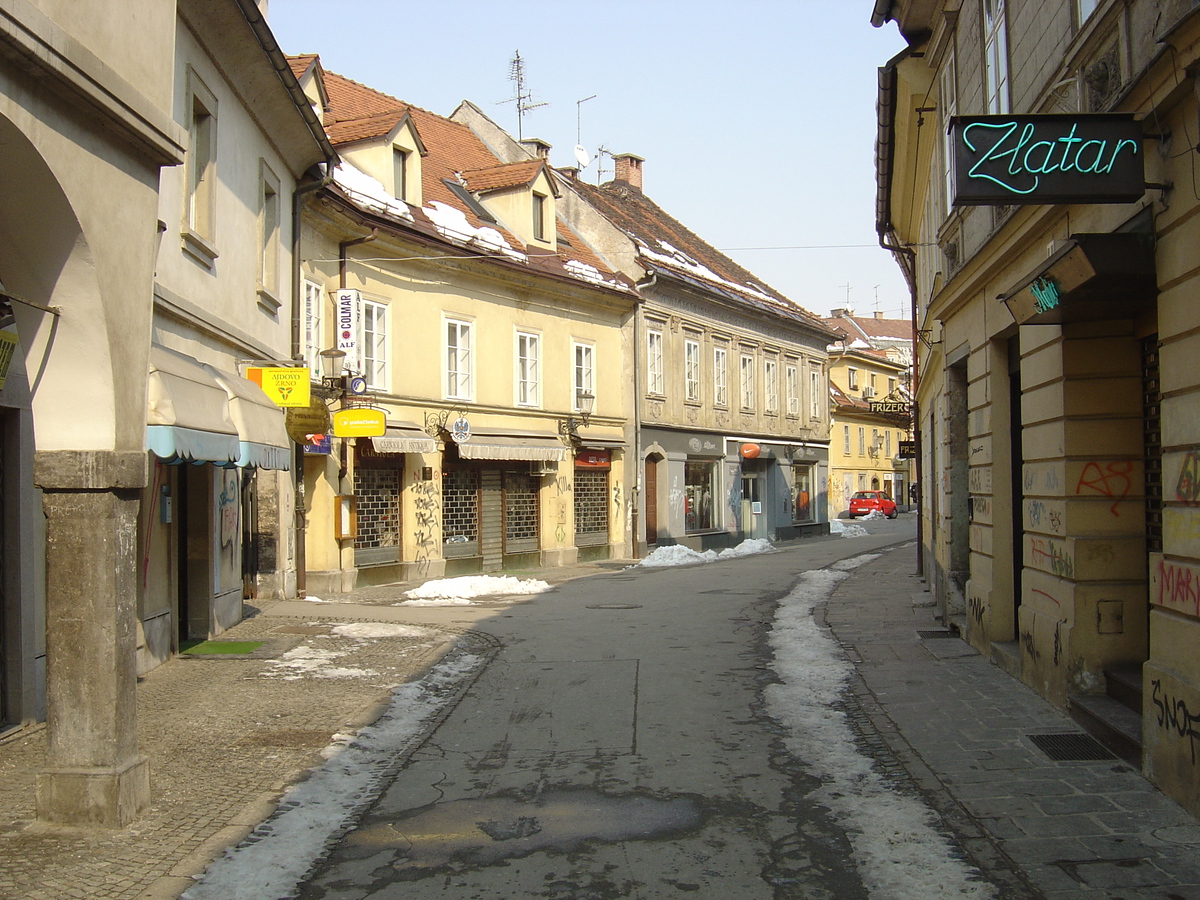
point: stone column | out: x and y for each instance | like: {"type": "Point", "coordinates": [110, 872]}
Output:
{"type": "Point", "coordinates": [93, 774]}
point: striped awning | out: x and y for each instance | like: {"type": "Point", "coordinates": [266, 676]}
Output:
{"type": "Point", "coordinates": [521, 447]}
{"type": "Point", "coordinates": [404, 437]}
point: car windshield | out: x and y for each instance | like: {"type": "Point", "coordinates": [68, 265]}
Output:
{"type": "Point", "coordinates": [863, 495]}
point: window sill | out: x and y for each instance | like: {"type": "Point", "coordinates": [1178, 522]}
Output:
{"type": "Point", "coordinates": [268, 301]}
{"type": "Point", "coordinates": [199, 249]}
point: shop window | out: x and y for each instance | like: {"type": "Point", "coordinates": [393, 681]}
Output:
{"type": "Point", "coordinates": [591, 506]}
{"type": "Point", "coordinates": [377, 500]}
{"type": "Point", "coordinates": [700, 487]}
{"type": "Point", "coordinates": [520, 511]}
{"type": "Point", "coordinates": [460, 511]}
{"type": "Point", "coordinates": [802, 492]}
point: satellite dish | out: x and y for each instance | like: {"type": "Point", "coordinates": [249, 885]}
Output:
{"type": "Point", "coordinates": [582, 157]}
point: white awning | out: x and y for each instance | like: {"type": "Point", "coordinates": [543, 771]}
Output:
{"type": "Point", "coordinates": [590, 441]}
{"type": "Point", "coordinates": [404, 437]}
{"type": "Point", "coordinates": [523, 447]}
{"type": "Point", "coordinates": [187, 413]}
{"type": "Point", "coordinates": [262, 434]}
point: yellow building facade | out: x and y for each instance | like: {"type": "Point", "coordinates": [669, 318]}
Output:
{"type": "Point", "coordinates": [1057, 390]}
{"type": "Point", "coordinates": [491, 339]}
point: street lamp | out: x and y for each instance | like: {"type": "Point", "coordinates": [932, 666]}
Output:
{"type": "Point", "coordinates": [333, 379]}
{"type": "Point", "coordinates": [585, 402]}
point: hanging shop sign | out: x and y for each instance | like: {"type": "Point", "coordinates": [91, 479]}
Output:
{"type": "Point", "coordinates": [908, 450]}
{"type": "Point", "coordinates": [8, 349]}
{"type": "Point", "coordinates": [348, 304]}
{"type": "Point", "coordinates": [285, 386]}
{"type": "Point", "coordinates": [890, 407]}
{"type": "Point", "coordinates": [319, 444]}
{"type": "Point", "coordinates": [460, 430]}
{"type": "Point", "coordinates": [359, 421]}
{"type": "Point", "coordinates": [749, 451]}
{"type": "Point", "coordinates": [304, 421]}
{"type": "Point", "coordinates": [1025, 160]}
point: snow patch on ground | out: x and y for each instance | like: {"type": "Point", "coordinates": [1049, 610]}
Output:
{"type": "Point", "coordinates": [897, 847]}
{"type": "Point", "coordinates": [460, 591]}
{"type": "Point", "coordinates": [273, 860]}
{"type": "Point", "coordinates": [364, 630]}
{"type": "Point", "coordinates": [837, 526]}
{"type": "Point", "coordinates": [679, 555]}
{"type": "Point", "coordinates": [312, 662]}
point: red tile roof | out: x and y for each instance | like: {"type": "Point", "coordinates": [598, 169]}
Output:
{"type": "Point", "coordinates": [359, 113]}
{"type": "Point", "coordinates": [867, 327]}
{"type": "Point", "coordinates": [665, 244]}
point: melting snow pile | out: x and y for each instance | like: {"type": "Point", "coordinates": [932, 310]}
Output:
{"type": "Point", "coordinates": [272, 861]}
{"type": "Point", "coordinates": [679, 555]}
{"type": "Point", "coordinates": [459, 591]}
{"type": "Point", "coordinates": [897, 847]}
{"type": "Point", "coordinates": [873, 514]}
{"type": "Point", "coordinates": [836, 526]}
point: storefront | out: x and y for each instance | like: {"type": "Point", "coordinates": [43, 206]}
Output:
{"type": "Point", "coordinates": [213, 437]}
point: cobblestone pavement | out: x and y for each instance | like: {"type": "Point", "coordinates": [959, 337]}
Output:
{"type": "Point", "coordinates": [225, 736]}
{"type": "Point", "coordinates": [961, 728]}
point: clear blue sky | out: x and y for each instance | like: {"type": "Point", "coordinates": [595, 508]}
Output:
{"type": "Point", "coordinates": [756, 118]}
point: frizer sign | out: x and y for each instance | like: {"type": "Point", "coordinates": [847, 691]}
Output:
{"type": "Point", "coordinates": [1023, 160]}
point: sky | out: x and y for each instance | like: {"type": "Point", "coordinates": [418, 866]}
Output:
{"type": "Point", "coordinates": [756, 118]}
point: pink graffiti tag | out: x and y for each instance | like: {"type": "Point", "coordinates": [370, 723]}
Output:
{"type": "Point", "coordinates": [1111, 480]}
{"type": "Point", "coordinates": [1187, 488]}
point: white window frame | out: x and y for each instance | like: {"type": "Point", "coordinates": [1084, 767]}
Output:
{"type": "Point", "coordinates": [791, 378]}
{"type": "Point", "coordinates": [851, 378]}
{"type": "Point", "coordinates": [314, 306]}
{"type": "Point", "coordinates": [270, 245]}
{"type": "Point", "coordinates": [747, 381]}
{"type": "Point", "coordinates": [691, 369]}
{"type": "Point", "coordinates": [771, 385]}
{"type": "Point", "coordinates": [373, 344]}
{"type": "Point", "coordinates": [845, 440]}
{"type": "Point", "coordinates": [949, 102]}
{"type": "Point", "coordinates": [400, 163]}
{"type": "Point", "coordinates": [815, 390]}
{"type": "Point", "coordinates": [721, 376]}
{"type": "Point", "coordinates": [862, 441]}
{"type": "Point", "coordinates": [655, 377]}
{"type": "Point", "coordinates": [200, 189]}
{"type": "Point", "coordinates": [1085, 8]}
{"type": "Point", "coordinates": [995, 58]}
{"type": "Point", "coordinates": [527, 384]}
{"type": "Point", "coordinates": [458, 362]}
{"type": "Point", "coordinates": [583, 371]}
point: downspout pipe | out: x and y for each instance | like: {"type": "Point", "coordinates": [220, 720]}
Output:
{"type": "Point", "coordinates": [639, 463]}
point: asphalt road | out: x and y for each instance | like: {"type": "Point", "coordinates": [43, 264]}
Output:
{"type": "Point", "coordinates": [616, 746]}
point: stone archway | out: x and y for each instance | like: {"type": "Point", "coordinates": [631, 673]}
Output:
{"type": "Point", "coordinates": [81, 275]}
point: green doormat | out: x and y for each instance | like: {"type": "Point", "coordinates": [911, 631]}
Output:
{"type": "Point", "coordinates": [220, 647]}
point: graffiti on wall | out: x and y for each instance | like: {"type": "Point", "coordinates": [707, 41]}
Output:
{"type": "Point", "coordinates": [1175, 586]}
{"type": "Point", "coordinates": [1175, 717]}
{"type": "Point", "coordinates": [1111, 480]}
{"type": "Point", "coordinates": [1187, 486]}
{"type": "Point", "coordinates": [427, 517]}
{"type": "Point", "coordinates": [1051, 556]}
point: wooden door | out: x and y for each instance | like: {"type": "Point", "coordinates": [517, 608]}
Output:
{"type": "Point", "coordinates": [652, 501]}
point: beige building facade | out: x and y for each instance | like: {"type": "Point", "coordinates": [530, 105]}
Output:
{"type": "Point", "coordinates": [491, 339]}
{"type": "Point", "coordinates": [1056, 387]}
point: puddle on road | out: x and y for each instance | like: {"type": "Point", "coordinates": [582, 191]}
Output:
{"type": "Point", "coordinates": [482, 832]}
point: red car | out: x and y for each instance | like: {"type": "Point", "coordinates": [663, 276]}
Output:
{"type": "Point", "coordinates": [868, 501]}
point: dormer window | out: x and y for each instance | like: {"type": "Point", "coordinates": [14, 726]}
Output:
{"type": "Point", "coordinates": [539, 217]}
{"type": "Point", "coordinates": [400, 158]}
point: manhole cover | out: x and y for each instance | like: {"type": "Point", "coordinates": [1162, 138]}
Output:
{"type": "Point", "coordinates": [1070, 747]}
{"type": "Point", "coordinates": [927, 635]}
{"type": "Point", "coordinates": [614, 606]}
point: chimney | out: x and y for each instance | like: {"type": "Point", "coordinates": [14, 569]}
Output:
{"type": "Point", "coordinates": [628, 169]}
{"type": "Point", "coordinates": [840, 313]}
{"type": "Point", "coordinates": [879, 314]}
{"type": "Point", "coordinates": [537, 148]}
{"type": "Point", "coordinates": [571, 173]}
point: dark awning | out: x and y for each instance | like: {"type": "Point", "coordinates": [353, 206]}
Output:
{"type": "Point", "coordinates": [1093, 277]}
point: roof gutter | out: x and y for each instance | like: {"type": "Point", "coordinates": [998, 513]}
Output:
{"type": "Point", "coordinates": [882, 14]}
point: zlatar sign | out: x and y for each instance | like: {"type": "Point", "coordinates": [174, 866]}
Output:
{"type": "Point", "coordinates": [1022, 160]}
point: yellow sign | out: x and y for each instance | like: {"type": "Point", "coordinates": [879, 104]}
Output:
{"type": "Point", "coordinates": [359, 422]}
{"type": "Point", "coordinates": [8, 349]}
{"type": "Point", "coordinates": [303, 422]}
{"type": "Point", "coordinates": [285, 386]}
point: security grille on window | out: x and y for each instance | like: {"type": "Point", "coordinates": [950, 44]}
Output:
{"type": "Point", "coordinates": [591, 506]}
{"type": "Point", "coordinates": [520, 511]}
{"type": "Point", "coordinates": [377, 491]}
{"type": "Point", "coordinates": [460, 507]}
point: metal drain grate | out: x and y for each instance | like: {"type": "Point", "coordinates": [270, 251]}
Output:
{"type": "Point", "coordinates": [1070, 747]}
{"type": "Point", "coordinates": [926, 635]}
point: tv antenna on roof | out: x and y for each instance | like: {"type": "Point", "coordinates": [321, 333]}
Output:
{"type": "Point", "coordinates": [522, 96]}
{"type": "Point", "coordinates": [581, 155]}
